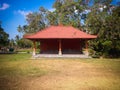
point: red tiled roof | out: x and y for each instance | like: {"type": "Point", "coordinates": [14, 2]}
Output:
{"type": "Point", "coordinates": [60, 32]}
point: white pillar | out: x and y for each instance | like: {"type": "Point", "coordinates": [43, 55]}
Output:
{"type": "Point", "coordinates": [60, 48]}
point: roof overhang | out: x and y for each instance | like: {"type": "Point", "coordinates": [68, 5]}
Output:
{"type": "Point", "coordinates": [60, 32]}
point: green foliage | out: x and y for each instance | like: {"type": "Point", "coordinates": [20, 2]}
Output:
{"type": "Point", "coordinates": [52, 18]}
{"type": "Point", "coordinates": [24, 43]}
{"type": "Point", "coordinates": [69, 12]}
{"type": "Point", "coordinates": [3, 37]}
{"type": "Point", "coordinates": [12, 43]}
{"type": "Point", "coordinates": [106, 47]}
{"type": "Point", "coordinates": [106, 25]}
{"type": "Point", "coordinates": [36, 22]}
{"type": "Point", "coordinates": [21, 42]}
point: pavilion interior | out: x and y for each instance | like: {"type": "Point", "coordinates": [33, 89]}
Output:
{"type": "Point", "coordinates": [68, 46]}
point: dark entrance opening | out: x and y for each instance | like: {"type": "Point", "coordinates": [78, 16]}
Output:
{"type": "Point", "coordinates": [71, 46]}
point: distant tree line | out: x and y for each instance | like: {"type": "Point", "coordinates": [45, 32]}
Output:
{"type": "Point", "coordinates": [6, 43]}
{"type": "Point", "coordinates": [101, 19]}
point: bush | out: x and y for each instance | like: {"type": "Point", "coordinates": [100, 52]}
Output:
{"type": "Point", "coordinates": [11, 49]}
{"type": "Point", "coordinates": [94, 54]}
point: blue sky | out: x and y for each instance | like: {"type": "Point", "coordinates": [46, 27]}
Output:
{"type": "Point", "coordinates": [12, 12]}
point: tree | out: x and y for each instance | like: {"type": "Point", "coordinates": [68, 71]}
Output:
{"type": "Point", "coordinates": [112, 31]}
{"type": "Point", "coordinates": [21, 42]}
{"type": "Point", "coordinates": [12, 43]}
{"type": "Point", "coordinates": [69, 12]}
{"type": "Point", "coordinates": [52, 18]}
{"type": "Point", "coordinates": [24, 43]}
{"type": "Point", "coordinates": [3, 37]}
{"type": "Point", "coordinates": [36, 21]}
{"type": "Point", "coordinates": [105, 24]}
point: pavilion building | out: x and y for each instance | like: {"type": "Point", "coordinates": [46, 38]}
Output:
{"type": "Point", "coordinates": [60, 40]}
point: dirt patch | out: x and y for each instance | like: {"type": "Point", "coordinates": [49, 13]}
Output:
{"type": "Point", "coordinates": [70, 75]}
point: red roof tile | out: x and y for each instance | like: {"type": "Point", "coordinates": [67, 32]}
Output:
{"type": "Point", "coordinates": [60, 32]}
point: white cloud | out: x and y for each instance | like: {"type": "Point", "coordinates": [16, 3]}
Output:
{"type": "Point", "coordinates": [23, 12]}
{"type": "Point", "coordinates": [52, 9]}
{"type": "Point", "coordinates": [4, 6]}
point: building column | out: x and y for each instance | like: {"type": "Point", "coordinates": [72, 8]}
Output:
{"type": "Point", "coordinates": [34, 48]}
{"type": "Point", "coordinates": [60, 47]}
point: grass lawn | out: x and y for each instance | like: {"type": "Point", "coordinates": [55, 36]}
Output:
{"type": "Point", "coordinates": [19, 72]}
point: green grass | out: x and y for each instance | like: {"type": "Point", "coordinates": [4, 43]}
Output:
{"type": "Point", "coordinates": [29, 50]}
{"type": "Point", "coordinates": [19, 72]}
{"type": "Point", "coordinates": [17, 64]}
{"type": "Point", "coordinates": [14, 57]}
{"type": "Point", "coordinates": [13, 67]}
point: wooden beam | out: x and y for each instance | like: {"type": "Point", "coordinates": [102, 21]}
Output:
{"type": "Point", "coordinates": [60, 47]}
{"type": "Point", "coordinates": [34, 48]}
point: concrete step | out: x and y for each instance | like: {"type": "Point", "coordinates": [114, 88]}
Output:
{"type": "Point", "coordinates": [60, 56]}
